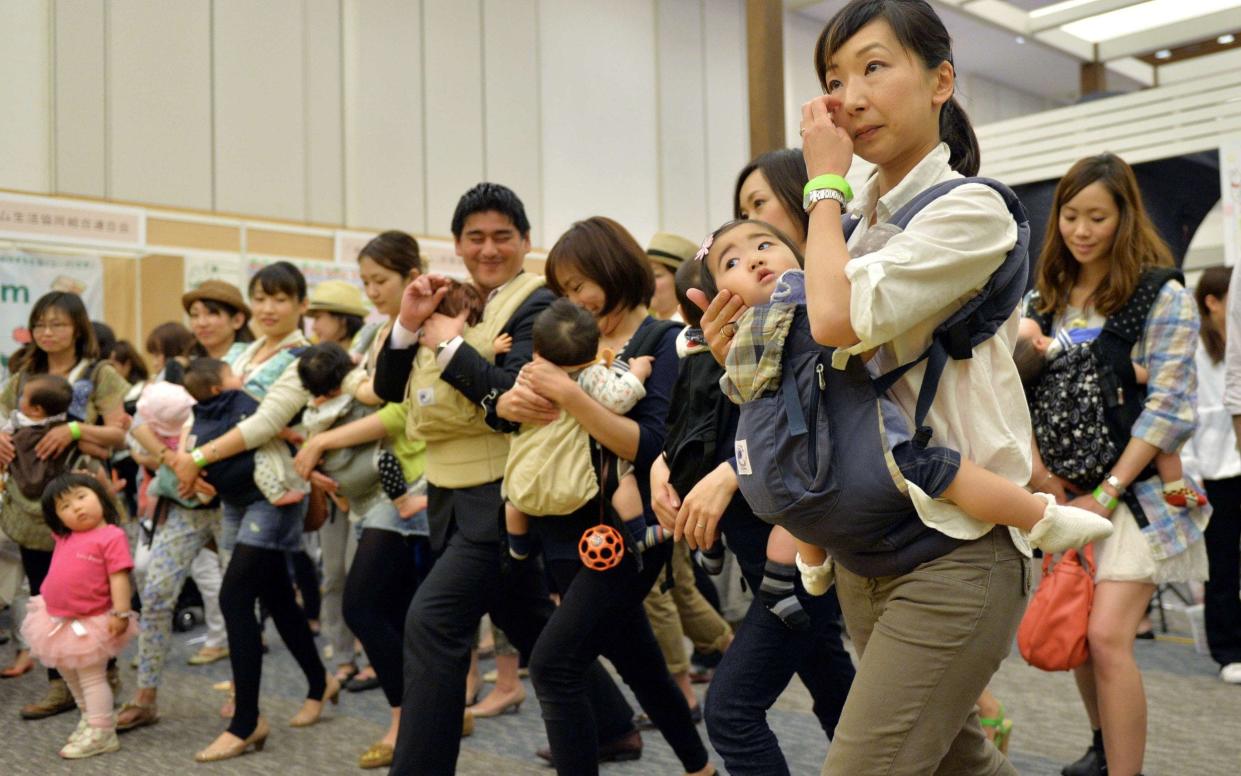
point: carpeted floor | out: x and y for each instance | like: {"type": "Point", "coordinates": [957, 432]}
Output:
{"type": "Point", "coordinates": [1194, 724]}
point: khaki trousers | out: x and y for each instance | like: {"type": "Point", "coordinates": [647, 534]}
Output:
{"type": "Point", "coordinates": [681, 612]}
{"type": "Point", "coordinates": [929, 642]}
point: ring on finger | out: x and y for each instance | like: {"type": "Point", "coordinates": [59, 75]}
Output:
{"type": "Point", "coordinates": [729, 330]}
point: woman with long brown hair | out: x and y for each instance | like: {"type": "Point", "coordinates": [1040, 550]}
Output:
{"type": "Point", "coordinates": [1102, 253]}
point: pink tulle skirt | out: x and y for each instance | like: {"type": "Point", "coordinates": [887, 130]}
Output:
{"type": "Point", "coordinates": [57, 644]}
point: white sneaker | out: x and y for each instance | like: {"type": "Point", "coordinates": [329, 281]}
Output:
{"type": "Point", "coordinates": [816, 579]}
{"type": "Point", "coordinates": [1063, 527]}
{"type": "Point", "coordinates": [92, 742]}
{"type": "Point", "coordinates": [1231, 673]}
{"type": "Point", "coordinates": [78, 731]}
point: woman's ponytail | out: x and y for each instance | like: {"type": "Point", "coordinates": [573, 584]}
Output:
{"type": "Point", "coordinates": [955, 130]}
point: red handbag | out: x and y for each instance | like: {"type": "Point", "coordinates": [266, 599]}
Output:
{"type": "Point", "coordinates": [1052, 634]}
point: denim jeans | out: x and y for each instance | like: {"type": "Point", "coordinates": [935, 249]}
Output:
{"type": "Point", "coordinates": [762, 659]}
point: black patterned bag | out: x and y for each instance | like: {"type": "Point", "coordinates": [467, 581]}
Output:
{"type": "Point", "coordinates": [1085, 403]}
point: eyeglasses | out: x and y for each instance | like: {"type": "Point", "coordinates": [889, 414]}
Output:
{"type": "Point", "coordinates": [53, 326]}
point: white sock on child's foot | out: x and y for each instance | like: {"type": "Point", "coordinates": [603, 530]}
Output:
{"type": "Point", "coordinates": [816, 579]}
{"type": "Point", "coordinates": [1064, 527]}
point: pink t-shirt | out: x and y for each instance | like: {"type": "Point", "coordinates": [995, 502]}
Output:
{"type": "Point", "coordinates": [77, 582]}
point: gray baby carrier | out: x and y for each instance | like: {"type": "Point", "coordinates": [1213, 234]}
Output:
{"type": "Point", "coordinates": [818, 449]}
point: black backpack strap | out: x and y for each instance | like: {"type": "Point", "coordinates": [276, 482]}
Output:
{"type": "Point", "coordinates": [643, 342]}
{"type": "Point", "coordinates": [978, 318]}
{"type": "Point", "coordinates": [1129, 322]}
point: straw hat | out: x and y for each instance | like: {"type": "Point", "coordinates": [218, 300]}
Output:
{"type": "Point", "coordinates": [337, 296]}
{"type": "Point", "coordinates": [671, 250]}
{"type": "Point", "coordinates": [216, 291]}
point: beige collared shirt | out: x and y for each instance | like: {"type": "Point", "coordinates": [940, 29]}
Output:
{"type": "Point", "coordinates": [902, 291]}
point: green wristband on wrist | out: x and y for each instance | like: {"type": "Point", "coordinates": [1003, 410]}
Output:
{"type": "Point", "coordinates": [200, 459]}
{"type": "Point", "coordinates": [75, 430]}
{"type": "Point", "coordinates": [829, 182]}
{"type": "Point", "coordinates": [1105, 499]}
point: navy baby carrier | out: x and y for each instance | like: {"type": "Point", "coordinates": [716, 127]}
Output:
{"type": "Point", "coordinates": [233, 478]}
{"type": "Point", "coordinates": [814, 456]}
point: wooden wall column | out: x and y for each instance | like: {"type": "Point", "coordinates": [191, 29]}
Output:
{"type": "Point", "coordinates": [765, 57]}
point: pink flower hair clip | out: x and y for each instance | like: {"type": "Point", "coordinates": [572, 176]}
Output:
{"type": "Point", "coordinates": [706, 248]}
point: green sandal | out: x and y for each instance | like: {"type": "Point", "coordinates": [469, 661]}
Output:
{"type": "Point", "coordinates": [1003, 727]}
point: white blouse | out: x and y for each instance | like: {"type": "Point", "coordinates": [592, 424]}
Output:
{"type": "Point", "coordinates": [1212, 453]}
{"type": "Point", "coordinates": [902, 291]}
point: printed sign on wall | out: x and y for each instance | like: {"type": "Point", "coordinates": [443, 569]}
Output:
{"type": "Point", "coordinates": [24, 277]}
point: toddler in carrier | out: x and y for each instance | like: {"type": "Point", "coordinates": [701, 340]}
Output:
{"type": "Point", "coordinates": [755, 261]}
{"type": "Point", "coordinates": [359, 471]}
{"type": "Point", "coordinates": [1046, 349]}
{"type": "Point", "coordinates": [167, 408]}
{"type": "Point", "coordinates": [549, 469]}
{"type": "Point", "coordinates": [42, 406]}
{"type": "Point", "coordinates": [221, 404]}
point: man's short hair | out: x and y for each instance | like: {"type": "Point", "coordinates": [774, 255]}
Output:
{"type": "Point", "coordinates": [490, 196]}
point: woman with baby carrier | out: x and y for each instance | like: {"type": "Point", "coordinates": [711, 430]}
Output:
{"type": "Point", "coordinates": [1112, 320]}
{"type": "Point", "coordinates": [257, 529]}
{"type": "Point", "coordinates": [933, 608]}
{"type": "Point", "coordinates": [63, 346]}
{"type": "Point", "coordinates": [602, 270]}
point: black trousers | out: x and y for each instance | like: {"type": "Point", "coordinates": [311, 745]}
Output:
{"type": "Point", "coordinates": [466, 582]}
{"type": "Point", "coordinates": [36, 564]}
{"type": "Point", "coordinates": [601, 613]}
{"type": "Point", "coordinates": [381, 583]}
{"type": "Point", "coordinates": [1223, 537]}
{"type": "Point", "coordinates": [762, 659]}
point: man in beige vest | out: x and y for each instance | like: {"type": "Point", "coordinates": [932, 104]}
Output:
{"type": "Point", "coordinates": [452, 379]}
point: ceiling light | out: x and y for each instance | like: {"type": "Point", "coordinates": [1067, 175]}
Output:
{"type": "Point", "coordinates": [1226, 40]}
{"type": "Point", "coordinates": [1163, 54]}
{"type": "Point", "coordinates": [1147, 15]}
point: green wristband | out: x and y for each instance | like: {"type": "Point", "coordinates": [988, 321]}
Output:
{"type": "Point", "coordinates": [1105, 499]}
{"type": "Point", "coordinates": [200, 458]}
{"type": "Point", "coordinates": [75, 430]}
{"type": "Point", "coordinates": [829, 182]}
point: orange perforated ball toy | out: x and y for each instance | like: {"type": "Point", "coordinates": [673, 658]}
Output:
{"type": "Point", "coordinates": [601, 548]}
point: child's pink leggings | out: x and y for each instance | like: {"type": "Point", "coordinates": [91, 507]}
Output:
{"type": "Point", "coordinates": [90, 689]}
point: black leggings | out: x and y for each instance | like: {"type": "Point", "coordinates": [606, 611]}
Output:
{"type": "Point", "coordinates": [259, 574]}
{"type": "Point", "coordinates": [306, 576]}
{"type": "Point", "coordinates": [601, 613]}
{"type": "Point", "coordinates": [381, 582]}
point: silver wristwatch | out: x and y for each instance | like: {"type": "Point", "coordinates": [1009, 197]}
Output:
{"type": "Point", "coordinates": [1114, 481]}
{"type": "Point", "coordinates": [818, 195]}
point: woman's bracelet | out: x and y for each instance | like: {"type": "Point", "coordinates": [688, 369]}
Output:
{"type": "Point", "coordinates": [200, 458]}
{"type": "Point", "coordinates": [1105, 499]}
{"type": "Point", "coordinates": [125, 615]}
{"type": "Point", "coordinates": [75, 430]}
{"type": "Point", "coordinates": [1043, 481]}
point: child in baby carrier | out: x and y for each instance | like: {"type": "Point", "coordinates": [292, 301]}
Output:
{"type": "Point", "coordinates": [221, 404]}
{"type": "Point", "coordinates": [755, 261]}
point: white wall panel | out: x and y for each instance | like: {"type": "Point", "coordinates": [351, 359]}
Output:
{"type": "Point", "coordinates": [599, 128]}
{"type": "Point", "coordinates": [81, 151]}
{"type": "Point", "coordinates": [728, 108]}
{"type": "Point", "coordinates": [383, 115]}
{"type": "Point", "coordinates": [25, 88]}
{"type": "Point", "coordinates": [259, 108]}
{"type": "Point", "coordinates": [453, 65]}
{"type": "Point", "coordinates": [325, 165]}
{"type": "Point", "coordinates": [682, 119]}
{"type": "Point", "coordinates": [801, 83]}
{"type": "Point", "coordinates": [159, 112]}
{"type": "Point", "coordinates": [513, 153]}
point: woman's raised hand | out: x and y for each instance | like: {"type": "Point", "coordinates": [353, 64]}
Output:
{"type": "Point", "coordinates": [719, 319]}
{"type": "Point", "coordinates": [420, 298]}
{"type": "Point", "coordinates": [664, 498]}
{"type": "Point", "coordinates": [547, 380]}
{"type": "Point", "coordinates": [520, 404]}
{"type": "Point", "coordinates": [827, 148]}
{"type": "Point", "coordinates": [6, 449]}
{"type": "Point", "coordinates": [307, 458]}
{"type": "Point", "coordinates": [53, 442]}
{"type": "Point", "coordinates": [698, 518]}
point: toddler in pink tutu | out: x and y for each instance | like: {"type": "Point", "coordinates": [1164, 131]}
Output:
{"type": "Point", "coordinates": [82, 617]}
